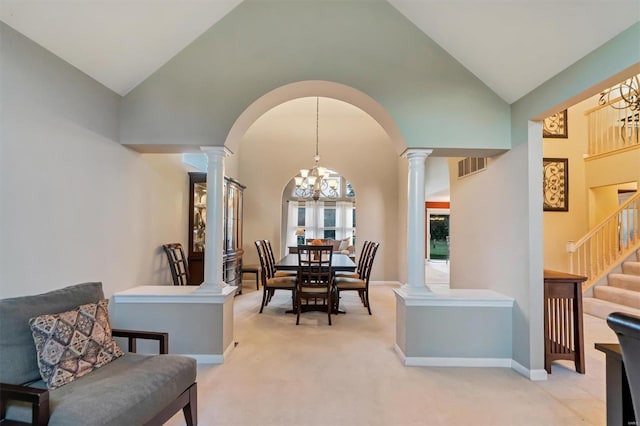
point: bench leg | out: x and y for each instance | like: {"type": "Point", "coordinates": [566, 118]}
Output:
{"type": "Point", "coordinates": [191, 409]}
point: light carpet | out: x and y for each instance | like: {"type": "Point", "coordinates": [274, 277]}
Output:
{"type": "Point", "coordinates": [349, 374]}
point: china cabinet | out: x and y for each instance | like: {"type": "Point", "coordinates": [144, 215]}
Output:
{"type": "Point", "coordinates": [232, 225]}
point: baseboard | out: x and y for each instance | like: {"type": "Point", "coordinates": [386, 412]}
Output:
{"type": "Point", "coordinates": [418, 361]}
{"type": "Point", "coordinates": [212, 359]}
{"type": "Point", "coordinates": [533, 375]}
{"type": "Point", "coordinates": [205, 358]}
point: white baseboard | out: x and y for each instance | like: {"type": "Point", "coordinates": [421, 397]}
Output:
{"type": "Point", "coordinates": [534, 375]}
{"type": "Point", "coordinates": [212, 358]}
{"type": "Point", "coordinates": [420, 361]}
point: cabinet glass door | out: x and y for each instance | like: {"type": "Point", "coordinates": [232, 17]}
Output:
{"type": "Point", "coordinates": [199, 216]}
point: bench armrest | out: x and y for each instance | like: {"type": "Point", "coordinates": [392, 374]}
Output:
{"type": "Point", "coordinates": [38, 398]}
{"type": "Point", "coordinates": [133, 335]}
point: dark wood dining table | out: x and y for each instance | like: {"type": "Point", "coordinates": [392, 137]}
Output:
{"type": "Point", "coordinates": [339, 262]}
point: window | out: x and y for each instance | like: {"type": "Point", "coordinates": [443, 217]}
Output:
{"type": "Point", "coordinates": [321, 220]}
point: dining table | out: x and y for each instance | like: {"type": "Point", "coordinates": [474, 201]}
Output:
{"type": "Point", "coordinates": [339, 262]}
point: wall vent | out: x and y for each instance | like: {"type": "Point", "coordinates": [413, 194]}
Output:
{"type": "Point", "coordinates": [471, 165]}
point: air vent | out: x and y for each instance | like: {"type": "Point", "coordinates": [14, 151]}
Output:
{"type": "Point", "coordinates": [471, 165]}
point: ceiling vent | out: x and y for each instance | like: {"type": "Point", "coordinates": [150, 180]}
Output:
{"type": "Point", "coordinates": [471, 165]}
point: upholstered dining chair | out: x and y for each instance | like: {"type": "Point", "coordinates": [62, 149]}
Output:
{"type": "Point", "coordinates": [177, 263]}
{"type": "Point", "coordinates": [315, 279]}
{"type": "Point", "coordinates": [271, 283]}
{"type": "Point", "coordinates": [361, 261]}
{"type": "Point", "coordinates": [627, 328]}
{"type": "Point", "coordinates": [360, 284]}
{"type": "Point", "coordinates": [272, 261]}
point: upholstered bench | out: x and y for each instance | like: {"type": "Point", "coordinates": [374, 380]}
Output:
{"type": "Point", "coordinates": [132, 389]}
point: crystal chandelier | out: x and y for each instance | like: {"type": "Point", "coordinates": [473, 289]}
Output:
{"type": "Point", "coordinates": [624, 95]}
{"type": "Point", "coordinates": [316, 182]}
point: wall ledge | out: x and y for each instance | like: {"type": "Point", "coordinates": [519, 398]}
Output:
{"type": "Point", "coordinates": [456, 298]}
{"type": "Point", "coordinates": [171, 294]}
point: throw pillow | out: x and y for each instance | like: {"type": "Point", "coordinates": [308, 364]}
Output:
{"type": "Point", "coordinates": [344, 243]}
{"type": "Point", "coordinates": [73, 343]}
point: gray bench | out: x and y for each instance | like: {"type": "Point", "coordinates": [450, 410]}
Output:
{"type": "Point", "coordinates": [134, 389]}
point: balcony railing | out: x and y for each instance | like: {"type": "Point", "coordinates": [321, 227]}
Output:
{"type": "Point", "coordinates": [607, 244]}
{"type": "Point", "coordinates": [612, 127]}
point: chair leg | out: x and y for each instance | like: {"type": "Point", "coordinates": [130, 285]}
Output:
{"type": "Point", "coordinates": [190, 410]}
{"type": "Point", "coordinates": [257, 282]}
{"type": "Point", "coordinates": [366, 294]}
{"type": "Point", "coordinates": [264, 298]}
{"type": "Point", "coordinates": [329, 307]}
{"type": "Point", "coordinates": [298, 303]}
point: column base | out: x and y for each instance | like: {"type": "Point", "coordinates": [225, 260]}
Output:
{"type": "Point", "coordinates": [215, 288]}
{"type": "Point", "coordinates": [411, 290]}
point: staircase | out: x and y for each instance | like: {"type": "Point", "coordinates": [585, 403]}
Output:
{"type": "Point", "coordinates": [621, 293]}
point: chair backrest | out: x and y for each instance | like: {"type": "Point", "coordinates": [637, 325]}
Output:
{"type": "Point", "coordinates": [627, 328]}
{"type": "Point", "coordinates": [314, 266]}
{"type": "Point", "coordinates": [267, 245]}
{"type": "Point", "coordinates": [177, 263]}
{"type": "Point", "coordinates": [269, 258]}
{"type": "Point", "coordinates": [264, 263]}
{"type": "Point", "coordinates": [365, 273]}
{"type": "Point", "coordinates": [363, 257]}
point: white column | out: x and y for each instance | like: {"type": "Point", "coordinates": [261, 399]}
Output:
{"type": "Point", "coordinates": [415, 222]}
{"type": "Point", "coordinates": [213, 282]}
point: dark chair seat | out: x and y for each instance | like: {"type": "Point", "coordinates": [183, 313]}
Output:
{"type": "Point", "coordinates": [252, 269]}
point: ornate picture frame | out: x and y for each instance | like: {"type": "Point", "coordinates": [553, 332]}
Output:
{"type": "Point", "coordinates": [555, 184]}
{"type": "Point", "coordinates": [556, 126]}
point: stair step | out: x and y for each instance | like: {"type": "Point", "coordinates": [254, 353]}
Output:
{"type": "Point", "coordinates": [626, 281]}
{"type": "Point", "coordinates": [602, 308]}
{"type": "Point", "coordinates": [617, 295]}
{"type": "Point", "coordinates": [631, 268]}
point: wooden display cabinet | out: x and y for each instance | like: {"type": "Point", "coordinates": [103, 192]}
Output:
{"type": "Point", "coordinates": [232, 225]}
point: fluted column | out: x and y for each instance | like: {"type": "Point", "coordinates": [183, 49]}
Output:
{"type": "Point", "coordinates": [213, 253]}
{"type": "Point", "coordinates": [415, 222]}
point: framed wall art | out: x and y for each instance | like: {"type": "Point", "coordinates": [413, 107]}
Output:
{"type": "Point", "coordinates": [555, 126]}
{"type": "Point", "coordinates": [555, 184]}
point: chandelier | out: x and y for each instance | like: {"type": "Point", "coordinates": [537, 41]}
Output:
{"type": "Point", "coordinates": [316, 182]}
{"type": "Point", "coordinates": [622, 96]}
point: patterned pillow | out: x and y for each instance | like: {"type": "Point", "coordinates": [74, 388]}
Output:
{"type": "Point", "coordinates": [74, 343]}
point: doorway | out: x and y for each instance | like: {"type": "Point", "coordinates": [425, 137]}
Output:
{"type": "Point", "coordinates": [437, 241]}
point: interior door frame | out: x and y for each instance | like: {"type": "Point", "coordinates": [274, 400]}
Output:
{"type": "Point", "coordinates": [433, 208]}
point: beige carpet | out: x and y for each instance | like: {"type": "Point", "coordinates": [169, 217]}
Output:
{"type": "Point", "coordinates": [349, 374]}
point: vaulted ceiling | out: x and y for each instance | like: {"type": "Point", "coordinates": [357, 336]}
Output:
{"type": "Point", "coordinates": [511, 45]}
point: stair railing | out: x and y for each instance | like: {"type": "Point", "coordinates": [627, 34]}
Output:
{"type": "Point", "coordinates": [606, 244]}
{"type": "Point", "coordinates": [611, 127]}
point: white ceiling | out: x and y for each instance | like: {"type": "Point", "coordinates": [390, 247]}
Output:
{"type": "Point", "coordinates": [511, 45]}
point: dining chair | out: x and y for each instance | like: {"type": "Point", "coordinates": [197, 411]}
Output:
{"type": "Point", "coordinates": [363, 257]}
{"type": "Point", "coordinates": [360, 284]}
{"type": "Point", "coordinates": [315, 279]}
{"type": "Point", "coordinates": [177, 263]}
{"type": "Point", "coordinates": [271, 283]}
{"type": "Point", "coordinates": [272, 262]}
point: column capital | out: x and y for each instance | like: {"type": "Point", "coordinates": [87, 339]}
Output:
{"type": "Point", "coordinates": [416, 153]}
{"type": "Point", "coordinates": [216, 151]}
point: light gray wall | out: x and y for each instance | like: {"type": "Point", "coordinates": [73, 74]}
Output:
{"type": "Point", "coordinates": [75, 205]}
{"type": "Point", "coordinates": [496, 215]}
{"type": "Point", "coordinates": [259, 46]}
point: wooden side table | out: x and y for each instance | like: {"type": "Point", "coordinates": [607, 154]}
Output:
{"type": "Point", "coordinates": [563, 330]}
